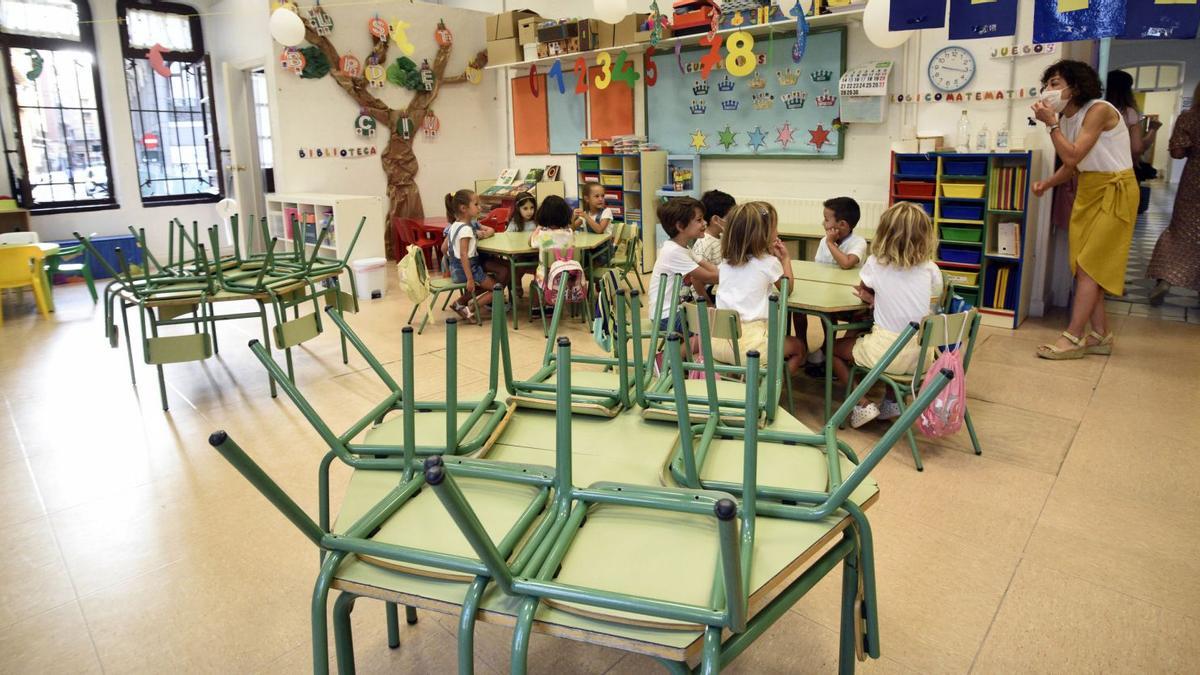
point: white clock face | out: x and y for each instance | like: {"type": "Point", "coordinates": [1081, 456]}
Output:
{"type": "Point", "coordinates": [951, 68]}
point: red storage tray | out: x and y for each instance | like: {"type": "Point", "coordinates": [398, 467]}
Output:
{"type": "Point", "coordinates": [913, 189]}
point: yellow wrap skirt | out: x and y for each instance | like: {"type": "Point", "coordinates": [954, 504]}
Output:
{"type": "Point", "coordinates": [1102, 226]}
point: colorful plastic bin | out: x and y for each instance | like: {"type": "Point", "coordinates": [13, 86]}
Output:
{"type": "Point", "coordinates": [962, 190]}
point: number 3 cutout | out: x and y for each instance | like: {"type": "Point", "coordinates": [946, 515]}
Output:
{"type": "Point", "coordinates": [604, 62]}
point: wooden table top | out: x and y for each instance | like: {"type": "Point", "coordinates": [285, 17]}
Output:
{"type": "Point", "coordinates": [824, 297]}
{"type": "Point", "coordinates": [808, 270]}
{"type": "Point", "coordinates": [817, 231]}
{"type": "Point", "coordinates": [516, 243]}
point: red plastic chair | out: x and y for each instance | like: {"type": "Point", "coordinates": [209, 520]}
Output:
{"type": "Point", "coordinates": [410, 233]}
{"type": "Point", "coordinates": [497, 219]}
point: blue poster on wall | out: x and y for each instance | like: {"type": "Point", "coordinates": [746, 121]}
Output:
{"type": "Point", "coordinates": [567, 120]}
{"type": "Point", "coordinates": [971, 19]}
{"type": "Point", "coordinates": [1156, 20]}
{"type": "Point", "coordinates": [780, 110]}
{"type": "Point", "coordinates": [917, 14]}
{"type": "Point", "coordinates": [1067, 20]}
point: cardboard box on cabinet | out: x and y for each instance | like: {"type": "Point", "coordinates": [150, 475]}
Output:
{"type": "Point", "coordinates": [503, 26]}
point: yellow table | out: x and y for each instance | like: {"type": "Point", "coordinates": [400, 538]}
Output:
{"type": "Point", "coordinates": [512, 245]}
{"type": "Point", "coordinates": [47, 249]}
{"type": "Point", "coordinates": [814, 232]}
{"type": "Point", "coordinates": [823, 299]}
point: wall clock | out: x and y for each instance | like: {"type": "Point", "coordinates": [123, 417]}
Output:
{"type": "Point", "coordinates": [951, 69]}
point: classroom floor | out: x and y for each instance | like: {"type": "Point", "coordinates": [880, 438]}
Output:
{"type": "Point", "coordinates": [1070, 546]}
{"type": "Point", "coordinates": [1180, 304]}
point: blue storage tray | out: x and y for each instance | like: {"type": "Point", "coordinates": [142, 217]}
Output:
{"type": "Point", "coordinates": [964, 167]}
{"type": "Point", "coordinates": [107, 246]}
{"type": "Point", "coordinates": [956, 254]}
{"type": "Point", "coordinates": [928, 206]}
{"type": "Point", "coordinates": [955, 211]}
{"type": "Point", "coordinates": [924, 168]}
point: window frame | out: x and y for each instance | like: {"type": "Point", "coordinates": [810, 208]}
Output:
{"type": "Point", "coordinates": [197, 54]}
{"type": "Point", "coordinates": [22, 186]}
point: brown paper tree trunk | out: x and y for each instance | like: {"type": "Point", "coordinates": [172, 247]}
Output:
{"type": "Point", "coordinates": [398, 159]}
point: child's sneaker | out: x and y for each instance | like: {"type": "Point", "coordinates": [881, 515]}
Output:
{"type": "Point", "coordinates": [463, 311]}
{"type": "Point", "coordinates": [863, 414]}
{"type": "Point", "coordinates": [817, 356]}
{"type": "Point", "coordinates": [889, 410]}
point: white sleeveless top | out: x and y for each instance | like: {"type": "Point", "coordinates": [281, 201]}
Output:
{"type": "Point", "coordinates": [1111, 151]}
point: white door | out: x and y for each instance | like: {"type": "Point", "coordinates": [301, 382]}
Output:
{"type": "Point", "coordinates": [249, 122]}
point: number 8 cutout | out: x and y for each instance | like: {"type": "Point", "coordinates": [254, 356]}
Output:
{"type": "Point", "coordinates": [740, 61]}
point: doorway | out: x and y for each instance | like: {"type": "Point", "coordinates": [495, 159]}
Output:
{"type": "Point", "coordinates": [251, 160]}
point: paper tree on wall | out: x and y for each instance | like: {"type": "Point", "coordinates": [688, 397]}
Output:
{"type": "Point", "coordinates": [399, 161]}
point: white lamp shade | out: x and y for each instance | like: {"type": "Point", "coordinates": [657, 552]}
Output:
{"type": "Point", "coordinates": [875, 23]}
{"type": "Point", "coordinates": [286, 27]}
{"type": "Point", "coordinates": [611, 11]}
{"type": "Point", "coordinates": [226, 208]}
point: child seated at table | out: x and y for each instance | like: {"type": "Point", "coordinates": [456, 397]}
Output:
{"type": "Point", "coordinates": [716, 207]}
{"type": "Point", "coordinates": [683, 220]}
{"type": "Point", "coordinates": [841, 247]}
{"type": "Point", "coordinates": [901, 283]}
{"type": "Point", "coordinates": [555, 242]}
{"type": "Point", "coordinates": [754, 263]}
{"type": "Point", "coordinates": [462, 208]}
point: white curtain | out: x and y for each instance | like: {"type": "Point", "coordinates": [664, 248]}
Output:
{"type": "Point", "coordinates": [40, 18]}
{"type": "Point", "coordinates": [146, 28]}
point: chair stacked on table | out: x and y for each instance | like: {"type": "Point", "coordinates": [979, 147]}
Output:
{"type": "Point", "coordinates": [186, 289]}
{"type": "Point", "coordinates": [689, 562]}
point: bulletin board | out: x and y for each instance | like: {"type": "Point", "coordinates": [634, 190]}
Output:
{"type": "Point", "coordinates": [610, 109]}
{"type": "Point", "coordinates": [568, 120]}
{"type": "Point", "coordinates": [783, 109]}
{"type": "Point", "coordinates": [531, 135]}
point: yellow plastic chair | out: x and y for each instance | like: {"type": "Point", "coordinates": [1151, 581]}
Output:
{"type": "Point", "coordinates": [20, 266]}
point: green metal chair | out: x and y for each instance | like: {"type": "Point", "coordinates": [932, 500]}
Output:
{"type": "Point", "coordinates": [436, 286]}
{"type": "Point", "coordinates": [672, 558]}
{"type": "Point", "coordinates": [385, 522]}
{"type": "Point", "coordinates": [603, 391]}
{"type": "Point", "coordinates": [626, 253]}
{"type": "Point", "coordinates": [58, 264]}
{"type": "Point", "coordinates": [809, 475]}
{"type": "Point", "coordinates": [656, 396]}
{"type": "Point", "coordinates": [934, 331]}
{"type": "Point", "coordinates": [473, 426]}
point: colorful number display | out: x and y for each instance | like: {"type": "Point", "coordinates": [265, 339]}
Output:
{"type": "Point", "coordinates": [557, 74]}
{"type": "Point", "coordinates": [740, 61]}
{"type": "Point", "coordinates": [650, 67]}
{"type": "Point", "coordinates": [713, 57]}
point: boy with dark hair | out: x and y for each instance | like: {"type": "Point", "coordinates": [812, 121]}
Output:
{"type": "Point", "coordinates": [716, 206]}
{"type": "Point", "coordinates": [840, 247]}
{"type": "Point", "coordinates": [683, 220]}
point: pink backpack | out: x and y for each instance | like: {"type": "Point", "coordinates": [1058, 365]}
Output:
{"type": "Point", "coordinates": [564, 262]}
{"type": "Point", "coordinates": [944, 416]}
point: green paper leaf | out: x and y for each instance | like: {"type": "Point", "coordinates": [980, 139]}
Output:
{"type": "Point", "coordinates": [406, 63]}
{"type": "Point", "coordinates": [316, 65]}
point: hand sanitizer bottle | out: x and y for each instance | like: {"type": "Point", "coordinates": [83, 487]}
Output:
{"type": "Point", "coordinates": [963, 142]}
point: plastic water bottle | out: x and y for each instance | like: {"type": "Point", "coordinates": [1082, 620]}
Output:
{"type": "Point", "coordinates": [1002, 139]}
{"type": "Point", "coordinates": [983, 139]}
{"type": "Point", "coordinates": [963, 142]}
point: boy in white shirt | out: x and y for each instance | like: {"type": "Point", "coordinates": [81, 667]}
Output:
{"type": "Point", "coordinates": [840, 247]}
{"type": "Point", "coordinates": [683, 220]}
{"type": "Point", "coordinates": [716, 207]}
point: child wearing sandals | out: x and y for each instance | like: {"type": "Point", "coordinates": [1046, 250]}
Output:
{"type": "Point", "coordinates": [900, 282]}
{"type": "Point", "coordinates": [462, 208]}
{"type": "Point", "coordinates": [754, 262]}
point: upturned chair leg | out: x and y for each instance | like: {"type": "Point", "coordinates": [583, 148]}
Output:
{"type": "Point", "coordinates": [521, 634]}
{"type": "Point", "coordinates": [393, 624]}
{"type": "Point", "coordinates": [912, 439]}
{"type": "Point", "coordinates": [971, 431]}
{"type": "Point", "coordinates": [847, 652]}
{"type": "Point", "coordinates": [343, 634]}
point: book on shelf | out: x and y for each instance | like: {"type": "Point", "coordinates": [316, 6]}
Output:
{"type": "Point", "coordinates": [551, 172]}
{"type": "Point", "coordinates": [1008, 239]}
{"type": "Point", "coordinates": [533, 176]}
{"type": "Point", "coordinates": [1007, 192]}
{"type": "Point", "coordinates": [1000, 287]}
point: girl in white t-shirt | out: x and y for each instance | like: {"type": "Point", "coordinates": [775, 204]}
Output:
{"type": "Point", "coordinates": [901, 283]}
{"type": "Point", "coordinates": [593, 214]}
{"type": "Point", "coordinates": [755, 261]}
{"type": "Point", "coordinates": [683, 219]}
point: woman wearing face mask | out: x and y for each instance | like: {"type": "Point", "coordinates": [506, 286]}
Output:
{"type": "Point", "coordinates": [1092, 141]}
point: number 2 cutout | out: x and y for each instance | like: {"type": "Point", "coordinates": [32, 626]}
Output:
{"type": "Point", "coordinates": [713, 57]}
{"type": "Point", "coordinates": [581, 84]}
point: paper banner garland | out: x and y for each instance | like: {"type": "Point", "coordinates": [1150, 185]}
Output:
{"type": "Point", "coordinates": [971, 19]}
{"type": "Point", "coordinates": [292, 60]}
{"type": "Point", "coordinates": [442, 36]}
{"type": "Point", "coordinates": [156, 60]}
{"type": "Point", "coordinates": [35, 64]}
{"type": "Point", "coordinates": [316, 65]}
{"type": "Point", "coordinates": [1024, 50]}
{"type": "Point", "coordinates": [431, 125]}
{"type": "Point", "coordinates": [917, 15]}
{"type": "Point", "coordinates": [378, 28]}
{"type": "Point", "coordinates": [319, 20]}
{"type": "Point", "coordinates": [801, 34]}
{"type": "Point", "coordinates": [350, 65]}
{"type": "Point", "coordinates": [1159, 20]}
{"type": "Point", "coordinates": [337, 153]}
{"type": "Point", "coordinates": [375, 74]}
{"type": "Point", "coordinates": [364, 125]}
{"type": "Point", "coordinates": [1067, 20]}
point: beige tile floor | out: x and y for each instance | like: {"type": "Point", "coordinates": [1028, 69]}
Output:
{"type": "Point", "coordinates": [1069, 546]}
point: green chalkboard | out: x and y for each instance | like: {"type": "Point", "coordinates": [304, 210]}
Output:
{"type": "Point", "coordinates": [783, 109]}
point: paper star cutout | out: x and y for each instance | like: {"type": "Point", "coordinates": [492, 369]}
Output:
{"type": "Point", "coordinates": [786, 134]}
{"type": "Point", "coordinates": [727, 135]}
{"type": "Point", "coordinates": [758, 138]}
{"type": "Point", "coordinates": [699, 140]}
{"type": "Point", "coordinates": [818, 136]}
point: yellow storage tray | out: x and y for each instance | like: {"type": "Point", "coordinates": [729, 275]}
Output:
{"type": "Point", "coordinates": [962, 190]}
{"type": "Point", "coordinates": [960, 278]}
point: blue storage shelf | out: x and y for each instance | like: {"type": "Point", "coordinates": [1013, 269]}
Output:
{"type": "Point", "coordinates": [961, 211]}
{"type": "Point", "coordinates": [974, 167]}
{"type": "Point", "coordinates": [107, 246]}
{"type": "Point", "coordinates": [962, 255]}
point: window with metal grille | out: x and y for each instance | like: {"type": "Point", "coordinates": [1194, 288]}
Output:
{"type": "Point", "coordinates": [170, 104]}
{"type": "Point", "coordinates": [58, 141]}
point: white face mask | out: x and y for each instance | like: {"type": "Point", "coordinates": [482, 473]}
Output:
{"type": "Point", "coordinates": [1055, 98]}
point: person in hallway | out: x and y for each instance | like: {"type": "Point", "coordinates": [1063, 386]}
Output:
{"type": "Point", "coordinates": [1176, 259]}
{"type": "Point", "coordinates": [1119, 92]}
{"type": "Point", "coordinates": [1092, 140]}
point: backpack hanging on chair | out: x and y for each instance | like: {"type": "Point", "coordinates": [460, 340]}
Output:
{"type": "Point", "coordinates": [411, 280]}
{"type": "Point", "coordinates": [944, 416]}
{"type": "Point", "coordinates": [564, 263]}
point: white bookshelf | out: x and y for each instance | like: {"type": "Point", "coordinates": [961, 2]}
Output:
{"type": "Point", "coordinates": [342, 211]}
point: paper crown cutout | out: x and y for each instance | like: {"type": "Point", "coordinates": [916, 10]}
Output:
{"type": "Point", "coordinates": [698, 107]}
{"type": "Point", "coordinates": [794, 100]}
{"type": "Point", "coordinates": [788, 77]}
{"type": "Point", "coordinates": [700, 88]}
{"type": "Point", "coordinates": [730, 105]}
{"type": "Point", "coordinates": [821, 75]}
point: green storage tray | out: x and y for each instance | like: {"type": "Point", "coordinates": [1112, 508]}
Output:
{"type": "Point", "coordinates": [970, 234]}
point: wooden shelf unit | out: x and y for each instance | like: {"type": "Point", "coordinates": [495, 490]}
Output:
{"type": "Point", "coordinates": [314, 210]}
{"type": "Point", "coordinates": [1005, 180]}
{"type": "Point", "coordinates": [629, 186]}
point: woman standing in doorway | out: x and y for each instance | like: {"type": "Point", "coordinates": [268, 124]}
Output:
{"type": "Point", "coordinates": [1176, 260]}
{"type": "Point", "coordinates": [1092, 140]}
{"type": "Point", "coordinates": [1118, 91]}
